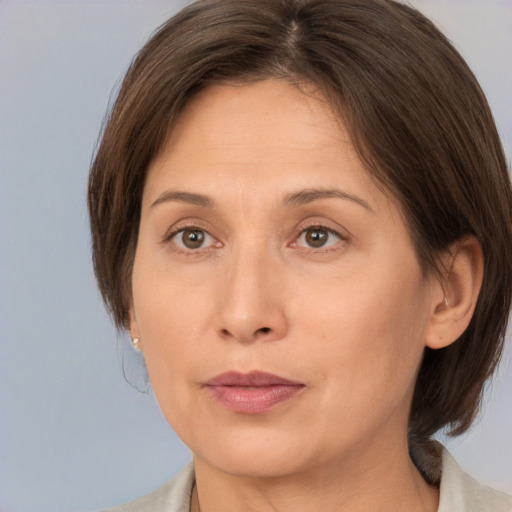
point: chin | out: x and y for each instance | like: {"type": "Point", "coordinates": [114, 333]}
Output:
{"type": "Point", "coordinates": [258, 464]}
{"type": "Point", "coordinates": [256, 454]}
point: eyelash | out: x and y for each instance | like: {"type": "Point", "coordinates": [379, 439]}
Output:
{"type": "Point", "coordinates": [319, 227]}
{"type": "Point", "coordinates": [189, 227]}
{"type": "Point", "coordinates": [324, 248]}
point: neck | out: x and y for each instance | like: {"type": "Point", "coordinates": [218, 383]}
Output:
{"type": "Point", "coordinates": [370, 481]}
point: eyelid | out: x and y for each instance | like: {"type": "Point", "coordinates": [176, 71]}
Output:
{"type": "Point", "coordinates": [189, 225]}
{"type": "Point", "coordinates": [342, 235]}
{"type": "Point", "coordinates": [207, 244]}
{"type": "Point", "coordinates": [185, 223]}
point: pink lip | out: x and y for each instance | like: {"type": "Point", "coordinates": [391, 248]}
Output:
{"type": "Point", "coordinates": [252, 393]}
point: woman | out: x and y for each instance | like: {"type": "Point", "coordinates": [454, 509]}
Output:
{"type": "Point", "coordinates": [302, 214]}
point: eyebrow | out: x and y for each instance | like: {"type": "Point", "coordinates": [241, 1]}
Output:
{"type": "Point", "coordinates": [290, 200]}
{"type": "Point", "coordinates": [312, 194]}
{"type": "Point", "coordinates": [183, 197]}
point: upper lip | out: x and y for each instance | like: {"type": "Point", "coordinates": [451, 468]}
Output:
{"type": "Point", "coordinates": [251, 379]}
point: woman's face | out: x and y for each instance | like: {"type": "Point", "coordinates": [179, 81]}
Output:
{"type": "Point", "coordinates": [279, 302]}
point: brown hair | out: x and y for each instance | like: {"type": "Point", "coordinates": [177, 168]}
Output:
{"type": "Point", "coordinates": [415, 113]}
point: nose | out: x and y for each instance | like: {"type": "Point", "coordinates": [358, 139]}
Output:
{"type": "Point", "coordinates": [251, 306]}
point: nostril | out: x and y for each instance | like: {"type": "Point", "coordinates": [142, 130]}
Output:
{"type": "Point", "coordinates": [226, 333]}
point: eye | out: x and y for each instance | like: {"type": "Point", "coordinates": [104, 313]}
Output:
{"type": "Point", "coordinates": [317, 237]}
{"type": "Point", "coordinates": [192, 238]}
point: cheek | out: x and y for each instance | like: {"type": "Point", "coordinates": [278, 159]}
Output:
{"type": "Point", "coordinates": [368, 337]}
{"type": "Point", "coordinates": [170, 321]}
{"type": "Point", "coordinates": [168, 303]}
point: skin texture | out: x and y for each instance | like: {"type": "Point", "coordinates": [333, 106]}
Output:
{"type": "Point", "coordinates": [348, 319]}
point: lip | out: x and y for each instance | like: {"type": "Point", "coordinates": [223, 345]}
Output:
{"type": "Point", "coordinates": [252, 393]}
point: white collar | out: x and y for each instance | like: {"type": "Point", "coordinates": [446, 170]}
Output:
{"type": "Point", "coordinates": [458, 491]}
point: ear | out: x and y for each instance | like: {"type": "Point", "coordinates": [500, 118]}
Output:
{"type": "Point", "coordinates": [454, 298]}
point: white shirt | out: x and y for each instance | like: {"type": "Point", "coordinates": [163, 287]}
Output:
{"type": "Point", "coordinates": [458, 493]}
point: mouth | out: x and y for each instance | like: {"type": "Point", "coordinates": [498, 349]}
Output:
{"type": "Point", "coordinates": [252, 393]}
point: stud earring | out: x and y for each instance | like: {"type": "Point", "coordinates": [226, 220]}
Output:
{"type": "Point", "coordinates": [135, 343]}
{"type": "Point", "coordinates": [446, 302]}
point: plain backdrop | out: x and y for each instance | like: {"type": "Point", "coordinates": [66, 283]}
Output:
{"type": "Point", "coordinates": [74, 435]}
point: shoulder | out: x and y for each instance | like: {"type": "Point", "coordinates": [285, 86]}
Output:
{"type": "Point", "coordinates": [460, 492]}
{"type": "Point", "coordinates": [173, 496]}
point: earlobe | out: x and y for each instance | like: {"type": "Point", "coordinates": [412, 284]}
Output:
{"type": "Point", "coordinates": [454, 299]}
{"type": "Point", "coordinates": [134, 331]}
{"type": "Point", "coordinates": [136, 344]}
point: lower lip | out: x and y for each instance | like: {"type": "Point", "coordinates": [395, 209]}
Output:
{"type": "Point", "coordinates": [253, 400]}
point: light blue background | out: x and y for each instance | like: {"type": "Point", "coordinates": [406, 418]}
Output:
{"type": "Point", "coordinates": [74, 436]}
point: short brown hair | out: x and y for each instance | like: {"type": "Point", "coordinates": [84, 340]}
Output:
{"type": "Point", "coordinates": [416, 115]}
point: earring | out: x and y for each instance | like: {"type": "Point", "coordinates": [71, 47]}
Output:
{"type": "Point", "coordinates": [446, 302]}
{"type": "Point", "coordinates": [135, 343]}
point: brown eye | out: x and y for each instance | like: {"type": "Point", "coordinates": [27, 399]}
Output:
{"type": "Point", "coordinates": [317, 237]}
{"type": "Point", "coordinates": [192, 238]}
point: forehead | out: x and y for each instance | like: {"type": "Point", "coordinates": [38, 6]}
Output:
{"type": "Point", "coordinates": [268, 137]}
{"type": "Point", "coordinates": [270, 116]}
